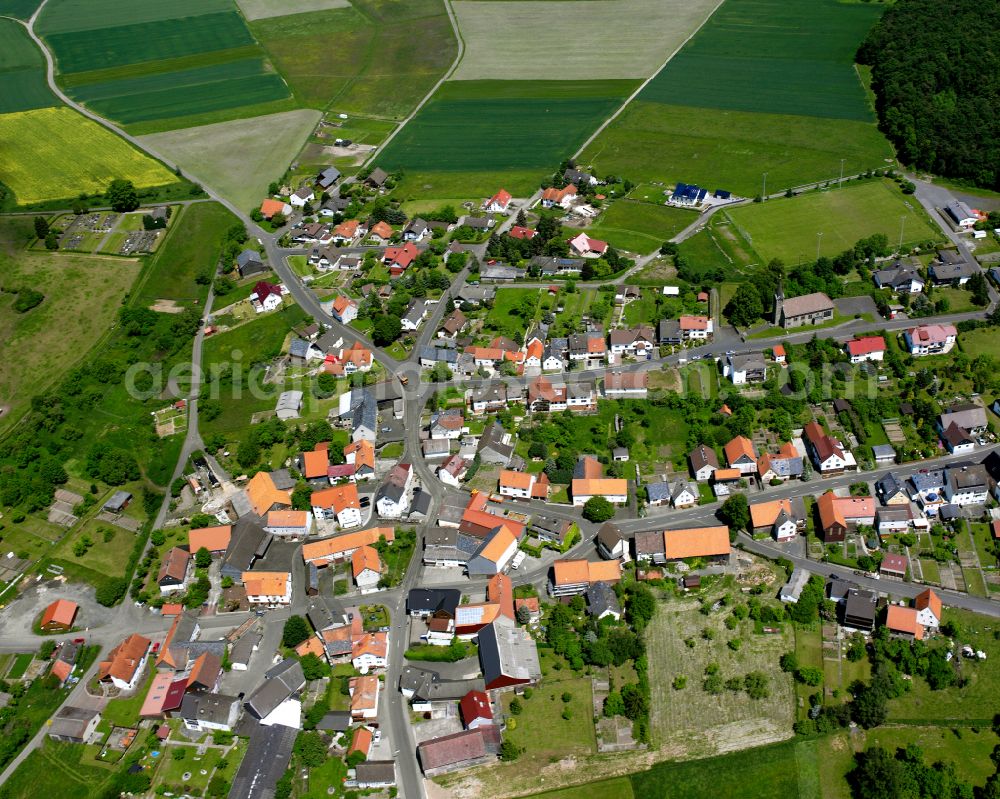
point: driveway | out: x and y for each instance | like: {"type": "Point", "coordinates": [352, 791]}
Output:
{"type": "Point", "coordinates": [18, 617]}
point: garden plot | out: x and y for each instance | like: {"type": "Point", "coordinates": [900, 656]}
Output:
{"type": "Point", "coordinates": [643, 34]}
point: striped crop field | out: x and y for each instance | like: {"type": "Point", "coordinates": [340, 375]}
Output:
{"type": "Point", "coordinates": [155, 65]}
{"type": "Point", "coordinates": [22, 71]}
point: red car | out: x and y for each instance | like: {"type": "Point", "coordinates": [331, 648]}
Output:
{"type": "Point", "coordinates": [156, 647]}
{"type": "Point", "coordinates": [79, 640]}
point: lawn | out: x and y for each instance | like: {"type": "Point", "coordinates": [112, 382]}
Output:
{"type": "Point", "coordinates": [233, 157]}
{"type": "Point", "coordinates": [618, 788]}
{"type": "Point", "coordinates": [694, 721]}
{"type": "Point", "coordinates": [22, 71]}
{"type": "Point", "coordinates": [790, 229]}
{"type": "Point", "coordinates": [982, 535]}
{"type": "Point", "coordinates": [125, 712]}
{"type": "Point", "coordinates": [82, 297]}
{"type": "Point", "coordinates": [193, 246]}
{"type": "Point", "coordinates": [497, 41]}
{"type": "Point", "coordinates": [730, 149]}
{"type": "Point", "coordinates": [780, 771]}
{"type": "Point", "coordinates": [740, 60]}
{"type": "Point", "coordinates": [640, 227]}
{"type": "Point", "coordinates": [21, 663]}
{"type": "Point", "coordinates": [21, 9]}
{"type": "Point", "coordinates": [967, 749]}
{"type": "Point", "coordinates": [387, 56]}
{"type": "Point", "coordinates": [56, 769]}
{"type": "Point", "coordinates": [500, 126]}
{"type": "Point", "coordinates": [56, 153]}
{"type": "Point", "coordinates": [965, 706]}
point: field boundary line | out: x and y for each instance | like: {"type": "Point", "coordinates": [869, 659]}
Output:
{"type": "Point", "coordinates": [646, 82]}
{"type": "Point", "coordinates": [451, 71]}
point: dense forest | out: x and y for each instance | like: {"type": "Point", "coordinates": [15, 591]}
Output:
{"type": "Point", "coordinates": [936, 76]}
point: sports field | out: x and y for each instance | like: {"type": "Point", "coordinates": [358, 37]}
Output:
{"type": "Point", "coordinates": [262, 9]}
{"type": "Point", "coordinates": [375, 57]}
{"type": "Point", "coordinates": [233, 157]}
{"type": "Point", "coordinates": [640, 227]}
{"type": "Point", "coordinates": [789, 228]}
{"type": "Point", "coordinates": [496, 126]}
{"type": "Point", "coordinates": [22, 71]}
{"type": "Point", "coordinates": [82, 296]}
{"type": "Point", "coordinates": [141, 62]}
{"type": "Point", "coordinates": [764, 86]}
{"type": "Point", "coordinates": [733, 149]}
{"type": "Point", "coordinates": [55, 153]}
{"type": "Point", "coordinates": [527, 39]}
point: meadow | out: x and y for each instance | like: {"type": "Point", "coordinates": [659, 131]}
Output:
{"type": "Point", "coordinates": [82, 296]}
{"type": "Point", "coordinates": [193, 245]}
{"type": "Point", "coordinates": [169, 65]}
{"type": "Point", "coordinates": [484, 126]}
{"type": "Point", "coordinates": [386, 56]}
{"type": "Point", "coordinates": [640, 227]}
{"type": "Point", "coordinates": [646, 32]}
{"type": "Point", "coordinates": [56, 153]}
{"type": "Point", "coordinates": [789, 228]}
{"type": "Point", "coordinates": [233, 157]}
{"type": "Point", "coordinates": [772, 56]}
{"type": "Point", "coordinates": [22, 71]}
{"type": "Point", "coordinates": [21, 9]}
{"type": "Point", "coordinates": [733, 149]}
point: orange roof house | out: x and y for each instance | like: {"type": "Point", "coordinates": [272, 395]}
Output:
{"type": "Point", "coordinates": [339, 547]}
{"type": "Point", "coordinates": [315, 463]}
{"type": "Point", "coordinates": [903, 621]}
{"type": "Point", "coordinates": [740, 447]}
{"type": "Point", "coordinates": [590, 467]}
{"type": "Point", "coordinates": [928, 601]}
{"type": "Point", "coordinates": [124, 660]}
{"type": "Point", "coordinates": [60, 615]}
{"type": "Point", "coordinates": [577, 572]}
{"type": "Point", "coordinates": [519, 480]}
{"type": "Point", "coordinates": [271, 207]}
{"type": "Point", "coordinates": [696, 542]}
{"type": "Point", "coordinates": [264, 495]}
{"type": "Point", "coordinates": [214, 539]}
{"type": "Point", "coordinates": [601, 487]}
{"type": "Point", "coordinates": [361, 741]}
{"type": "Point", "coordinates": [265, 584]}
{"type": "Point", "coordinates": [500, 589]}
{"type": "Point", "coordinates": [311, 646]}
{"type": "Point", "coordinates": [288, 519]}
{"type": "Point", "coordinates": [374, 644]}
{"type": "Point", "coordinates": [364, 559]}
{"type": "Point", "coordinates": [62, 670]}
{"type": "Point", "coordinates": [764, 514]}
{"type": "Point", "coordinates": [338, 498]}
{"type": "Point", "coordinates": [381, 230]}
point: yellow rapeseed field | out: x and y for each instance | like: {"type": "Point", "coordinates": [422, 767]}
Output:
{"type": "Point", "coordinates": [56, 153]}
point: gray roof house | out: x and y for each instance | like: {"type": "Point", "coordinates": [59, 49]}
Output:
{"type": "Point", "coordinates": [658, 493]}
{"type": "Point", "coordinates": [266, 760]}
{"type": "Point", "coordinates": [249, 263]}
{"type": "Point", "coordinates": [602, 601]}
{"type": "Point", "coordinates": [328, 177]}
{"type": "Point", "coordinates": [280, 683]}
{"type": "Point", "coordinates": [968, 416]}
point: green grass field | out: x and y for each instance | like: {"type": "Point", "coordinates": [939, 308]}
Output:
{"type": "Point", "coordinates": [980, 342]}
{"type": "Point", "coordinates": [56, 153]}
{"type": "Point", "coordinates": [233, 156]}
{"type": "Point", "coordinates": [773, 56]}
{"type": "Point", "coordinates": [788, 228]}
{"type": "Point", "coordinates": [261, 9]}
{"type": "Point", "coordinates": [193, 244]}
{"type": "Point", "coordinates": [387, 54]}
{"type": "Point", "coordinates": [56, 769]}
{"type": "Point", "coordinates": [498, 42]}
{"type": "Point", "coordinates": [477, 126]}
{"type": "Point", "coordinates": [640, 227]}
{"type": "Point", "coordinates": [82, 296]}
{"type": "Point", "coordinates": [22, 71]}
{"type": "Point", "coordinates": [732, 149]}
{"type": "Point", "coordinates": [21, 9]}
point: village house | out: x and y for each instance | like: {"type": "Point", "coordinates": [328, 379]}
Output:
{"type": "Point", "coordinates": [574, 577]}
{"type": "Point", "coordinates": [266, 296]}
{"type": "Point", "coordinates": [703, 462]}
{"type": "Point", "coordinates": [269, 589]}
{"type": "Point", "coordinates": [586, 247]}
{"type": "Point", "coordinates": [637, 342]}
{"type": "Point", "coordinates": [614, 490]}
{"type": "Point", "coordinates": [295, 524]}
{"type": "Point", "coordinates": [173, 571]}
{"type": "Point", "coordinates": [827, 453]}
{"type": "Point", "coordinates": [838, 514]}
{"type": "Point", "coordinates": [339, 503]}
{"type": "Point", "coordinates": [344, 309]}
{"type": "Point", "coordinates": [270, 208]}
{"type": "Point", "coordinates": [561, 198]}
{"type": "Point", "coordinates": [743, 369]}
{"type": "Point", "coordinates": [360, 455]}
{"type": "Point", "coordinates": [867, 348]}
{"type": "Point", "coordinates": [778, 519]}
{"type": "Point", "coordinates": [126, 663]}
{"type": "Point", "coordinates": [783, 466]}
{"type": "Point", "coordinates": [900, 278]}
{"type": "Point", "coordinates": [611, 544]}
{"type": "Point", "coordinates": [935, 339]}
{"type": "Point", "coordinates": [740, 454]}
{"type": "Point", "coordinates": [951, 269]}
{"type": "Point", "coordinates": [625, 385]}
{"type": "Point", "coordinates": [498, 203]}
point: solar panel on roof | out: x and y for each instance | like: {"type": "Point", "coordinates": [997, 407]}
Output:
{"type": "Point", "coordinates": [468, 615]}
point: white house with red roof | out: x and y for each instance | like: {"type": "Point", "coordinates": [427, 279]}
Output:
{"type": "Point", "coordinates": [563, 198]}
{"type": "Point", "coordinates": [586, 247]}
{"type": "Point", "coordinates": [695, 328]}
{"type": "Point", "coordinates": [498, 203]}
{"type": "Point", "coordinates": [344, 309]}
{"type": "Point", "coordinates": [266, 296]}
{"type": "Point", "coordinates": [398, 259]}
{"type": "Point", "coordinates": [868, 348]}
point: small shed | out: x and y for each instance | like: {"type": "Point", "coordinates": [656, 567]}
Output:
{"type": "Point", "coordinates": [118, 502]}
